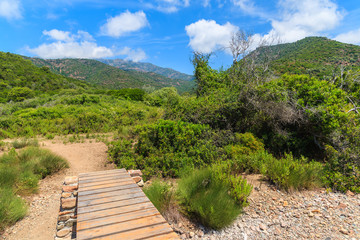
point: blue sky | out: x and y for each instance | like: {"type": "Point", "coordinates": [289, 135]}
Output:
{"type": "Point", "coordinates": [165, 32]}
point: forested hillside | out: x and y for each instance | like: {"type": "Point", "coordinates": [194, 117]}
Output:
{"type": "Point", "coordinates": [20, 79]}
{"type": "Point", "coordinates": [317, 56]}
{"type": "Point", "coordinates": [147, 67]}
{"type": "Point", "coordinates": [104, 75]}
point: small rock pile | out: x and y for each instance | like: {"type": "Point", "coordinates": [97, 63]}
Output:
{"type": "Point", "coordinates": [136, 176]}
{"type": "Point", "coordinates": [67, 214]}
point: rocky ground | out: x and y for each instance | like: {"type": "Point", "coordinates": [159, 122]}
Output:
{"type": "Point", "coordinates": [273, 214]}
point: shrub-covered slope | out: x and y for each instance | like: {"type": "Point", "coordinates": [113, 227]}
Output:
{"type": "Point", "coordinates": [147, 67]}
{"type": "Point", "coordinates": [318, 56]}
{"type": "Point", "coordinates": [20, 79]}
{"type": "Point", "coordinates": [99, 73]}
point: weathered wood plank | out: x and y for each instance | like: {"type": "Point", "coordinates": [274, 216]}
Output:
{"type": "Point", "coordinates": [124, 227]}
{"type": "Point", "coordinates": [107, 185]}
{"type": "Point", "coordinates": [110, 189]}
{"type": "Point", "coordinates": [116, 194]}
{"type": "Point", "coordinates": [116, 219]}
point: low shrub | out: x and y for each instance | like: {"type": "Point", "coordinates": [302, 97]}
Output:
{"type": "Point", "coordinates": [206, 198]}
{"type": "Point", "coordinates": [12, 208]}
{"type": "Point", "coordinates": [294, 174]}
{"type": "Point", "coordinates": [24, 143]}
{"type": "Point", "coordinates": [161, 195]}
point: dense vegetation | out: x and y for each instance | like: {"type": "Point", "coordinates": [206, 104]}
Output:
{"type": "Point", "coordinates": [20, 79]}
{"type": "Point", "coordinates": [147, 67]}
{"type": "Point", "coordinates": [317, 56]}
{"type": "Point", "coordinates": [110, 77]}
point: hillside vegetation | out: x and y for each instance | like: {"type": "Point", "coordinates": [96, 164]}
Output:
{"type": "Point", "coordinates": [317, 56]}
{"type": "Point", "coordinates": [147, 67]}
{"type": "Point", "coordinates": [20, 79]}
{"type": "Point", "coordinates": [110, 77]}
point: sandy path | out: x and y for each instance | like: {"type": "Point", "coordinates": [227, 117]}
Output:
{"type": "Point", "coordinates": [40, 222]}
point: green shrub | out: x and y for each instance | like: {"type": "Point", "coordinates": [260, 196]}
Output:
{"type": "Point", "coordinates": [12, 208]}
{"type": "Point", "coordinates": [206, 198]}
{"type": "Point", "coordinates": [18, 94]}
{"type": "Point", "coordinates": [42, 161]}
{"type": "Point", "coordinates": [294, 174]}
{"type": "Point", "coordinates": [161, 195]}
{"type": "Point", "coordinates": [24, 143]}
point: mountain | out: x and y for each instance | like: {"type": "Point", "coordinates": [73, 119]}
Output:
{"type": "Point", "coordinates": [22, 78]}
{"type": "Point", "coordinates": [102, 74]}
{"type": "Point", "coordinates": [317, 56]}
{"type": "Point", "coordinates": [147, 67]}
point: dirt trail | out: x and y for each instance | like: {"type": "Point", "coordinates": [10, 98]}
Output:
{"type": "Point", "coordinates": [40, 222]}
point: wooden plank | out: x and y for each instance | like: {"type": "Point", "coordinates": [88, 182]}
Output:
{"type": "Point", "coordinates": [81, 181]}
{"type": "Point", "coordinates": [103, 182]}
{"type": "Point", "coordinates": [116, 228]}
{"type": "Point", "coordinates": [114, 204]}
{"type": "Point", "coordinates": [140, 233]}
{"type": "Point", "coordinates": [117, 194]}
{"type": "Point", "coordinates": [114, 211]}
{"type": "Point", "coordinates": [110, 189]}
{"type": "Point", "coordinates": [108, 185]}
{"type": "Point", "coordinates": [103, 176]}
{"type": "Point", "coordinates": [102, 172]}
{"type": "Point", "coordinates": [116, 219]}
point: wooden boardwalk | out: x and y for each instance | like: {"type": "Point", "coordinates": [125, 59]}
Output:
{"type": "Point", "coordinates": [112, 206]}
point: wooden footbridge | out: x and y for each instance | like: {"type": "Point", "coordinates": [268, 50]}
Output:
{"type": "Point", "coordinates": [112, 206]}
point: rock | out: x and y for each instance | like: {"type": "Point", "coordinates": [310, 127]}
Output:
{"type": "Point", "coordinates": [65, 212]}
{"type": "Point", "coordinates": [134, 173]}
{"type": "Point", "coordinates": [141, 183]}
{"type": "Point", "coordinates": [192, 234]}
{"type": "Point", "coordinates": [70, 188]}
{"type": "Point", "coordinates": [342, 206]}
{"type": "Point", "coordinates": [60, 226]}
{"type": "Point", "coordinates": [350, 193]}
{"type": "Point", "coordinates": [285, 204]}
{"type": "Point", "coordinates": [283, 224]}
{"type": "Point", "coordinates": [71, 180]}
{"type": "Point", "coordinates": [311, 214]}
{"type": "Point", "coordinates": [68, 203]}
{"type": "Point", "coordinates": [315, 211]}
{"type": "Point", "coordinates": [66, 194]}
{"type": "Point", "coordinates": [64, 218]}
{"type": "Point", "coordinates": [137, 179]}
{"type": "Point", "coordinates": [344, 231]}
{"type": "Point", "coordinates": [70, 222]}
{"type": "Point", "coordinates": [262, 227]}
{"type": "Point", "coordinates": [63, 232]}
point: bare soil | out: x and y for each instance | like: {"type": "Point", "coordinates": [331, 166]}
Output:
{"type": "Point", "coordinates": [40, 223]}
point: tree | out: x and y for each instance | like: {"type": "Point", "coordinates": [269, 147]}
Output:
{"type": "Point", "coordinates": [18, 94]}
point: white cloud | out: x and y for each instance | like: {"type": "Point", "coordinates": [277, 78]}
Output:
{"type": "Point", "coordinates": [67, 45]}
{"type": "Point", "coordinates": [245, 5]}
{"type": "Point", "coordinates": [206, 35]}
{"type": "Point", "coordinates": [300, 19]}
{"type": "Point", "coordinates": [71, 50]}
{"type": "Point", "coordinates": [206, 3]}
{"type": "Point", "coordinates": [124, 23]}
{"type": "Point", "coordinates": [168, 6]}
{"type": "Point", "coordinates": [10, 9]}
{"type": "Point", "coordinates": [58, 35]}
{"type": "Point", "coordinates": [135, 55]}
{"type": "Point", "coordinates": [352, 37]}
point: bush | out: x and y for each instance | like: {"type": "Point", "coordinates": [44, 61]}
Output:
{"type": "Point", "coordinates": [24, 143]}
{"type": "Point", "coordinates": [12, 208]}
{"type": "Point", "coordinates": [294, 174]}
{"type": "Point", "coordinates": [206, 198]}
{"type": "Point", "coordinates": [42, 161]}
{"type": "Point", "coordinates": [161, 195]}
{"type": "Point", "coordinates": [18, 94]}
